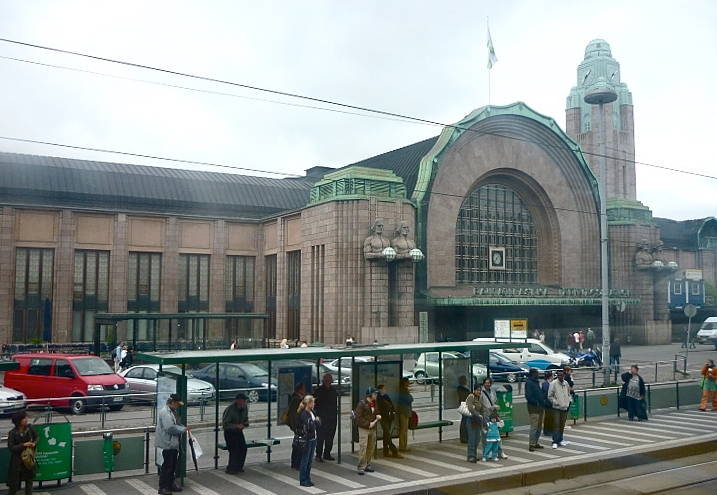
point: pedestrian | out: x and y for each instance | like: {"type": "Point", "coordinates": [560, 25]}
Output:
{"type": "Point", "coordinates": [367, 418]}
{"type": "Point", "coordinates": [462, 391]}
{"type": "Point", "coordinates": [570, 341]}
{"type": "Point", "coordinates": [548, 421]}
{"type": "Point", "coordinates": [709, 385]}
{"type": "Point", "coordinates": [633, 394]}
{"type": "Point", "coordinates": [350, 341]}
{"type": "Point", "coordinates": [234, 345]}
{"type": "Point", "coordinates": [388, 413]}
{"type": "Point", "coordinates": [556, 339]}
{"type": "Point", "coordinates": [474, 423]}
{"type": "Point", "coordinates": [487, 401]}
{"type": "Point", "coordinates": [405, 411]}
{"type": "Point", "coordinates": [492, 448]}
{"type": "Point", "coordinates": [292, 417]}
{"type": "Point", "coordinates": [127, 358]}
{"type": "Point", "coordinates": [590, 338]}
{"type": "Point", "coordinates": [581, 339]}
{"type": "Point", "coordinates": [615, 354]}
{"type": "Point", "coordinates": [568, 371]}
{"type": "Point", "coordinates": [306, 432]}
{"type": "Point", "coordinates": [326, 408]}
{"type": "Point", "coordinates": [559, 398]}
{"type": "Point", "coordinates": [166, 438]}
{"type": "Point", "coordinates": [541, 337]}
{"type": "Point", "coordinates": [117, 355]}
{"type": "Point", "coordinates": [234, 420]}
{"type": "Point", "coordinates": [284, 344]}
{"type": "Point", "coordinates": [21, 437]}
{"type": "Point", "coordinates": [304, 344]}
{"type": "Point", "coordinates": [536, 409]}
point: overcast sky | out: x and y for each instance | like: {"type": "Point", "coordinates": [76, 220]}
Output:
{"type": "Point", "coordinates": [422, 58]}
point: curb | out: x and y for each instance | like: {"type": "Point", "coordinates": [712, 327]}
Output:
{"type": "Point", "coordinates": [573, 467]}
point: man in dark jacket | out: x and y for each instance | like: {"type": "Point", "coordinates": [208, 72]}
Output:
{"type": "Point", "coordinates": [388, 413]}
{"type": "Point", "coordinates": [536, 409]}
{"type": "Point", "coordinates": [326, 409]}
{"type": "Point", "coordinates": [234, 420]}
{"type": "Point", "coordinates": [293, 419]}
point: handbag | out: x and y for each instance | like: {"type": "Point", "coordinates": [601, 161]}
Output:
{"type": "Point", "coordinates": [28, 458]}
{"type": "Point", "coordinates": [413, 422]}
{"type": "Point", "coordinates": [463, 410]}
{"type": "Point", "coordinates": [299, 443]}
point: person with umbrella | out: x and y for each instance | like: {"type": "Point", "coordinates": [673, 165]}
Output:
{"type": "Point", "coordinates": [234, 420]}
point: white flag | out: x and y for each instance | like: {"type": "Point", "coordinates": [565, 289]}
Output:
{"type": "Point", "coordinates": [492, 59]}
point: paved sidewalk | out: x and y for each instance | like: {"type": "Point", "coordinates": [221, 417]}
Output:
{"type": "Point", "coordinates": [427, 464]}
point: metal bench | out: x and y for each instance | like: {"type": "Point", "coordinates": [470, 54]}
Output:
{"type": "Point", "coordinates": [431, 424]}
{"type": "Point", "coordinates": [255, 443]}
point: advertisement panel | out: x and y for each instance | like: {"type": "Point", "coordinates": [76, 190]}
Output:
{"type": "Point", "coordinates": [456, 382]}
{"type": "Point", "coordinates": [289, 378]}
{"type": "Point", "coordinates": [54, 452]}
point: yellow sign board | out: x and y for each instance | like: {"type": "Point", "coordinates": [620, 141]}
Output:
{"type": "Point", "coordinates": [519, 325]}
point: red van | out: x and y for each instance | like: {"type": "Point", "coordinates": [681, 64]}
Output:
{"type": "Point", "coordinates": [84, 378]}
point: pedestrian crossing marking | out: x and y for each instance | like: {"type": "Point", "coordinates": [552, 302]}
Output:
{"type": "Point", "coordinates": [656, 424]}
{"type": "Point", "coordinates": [408, 469]}
{"type": "Point", "coordinates": [544, 455]}
{"type": "Point", "coordinates": [336, 479]}
{"type": "Point", "coordinates": [573, 451]}
{"type": "Point", "coordinates": [201, 489]}
{"type": "Point", "coordinates": [92, 489]}
{"type": "Point", "coordinates": [627, 431]}
{"type": "Point", "coordinates": [465, 455]}
{"type": "Point", "coordinates": [243, 483]}
{"type": "Point", "coordinates": [141, 486]}
{"type": "Point", "coordinates": [680, 423]}
{"type": "Point", "coordinates": [289, 481]}
{"type": "Point", "coordinates": [612, 435]}
{"type": "Point", "coordinates": [689, 418]}
{"type": "Point", "coordinates": [593, 439]}
{"type": "Point", "coordinates": [433, 462]}
{"type": "Point", "coordinates": [382, 476]}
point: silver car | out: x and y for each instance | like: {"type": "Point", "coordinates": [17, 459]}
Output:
{"type": "Point", "coordinates": [11, 400]}
{"type": "Point", "coordinates": [143, 379]}
{"type": "Point", "coordinates": [426, 369]}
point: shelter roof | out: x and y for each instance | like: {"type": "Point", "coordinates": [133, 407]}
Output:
{"type": "Point", "coordinates": [64, 182]}
{"type": "Point", "coordinates": [243, 355]}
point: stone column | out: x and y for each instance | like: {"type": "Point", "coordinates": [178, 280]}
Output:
{"type": "Point", "coordinates": [118, 271]}
{"type": "Point", "coordinates": [406, 285]}
{"type": "Point", "coordinates": [376, 296]}
{"type": "Point", "coordinates": [170, 268]}
{"type": "Point", "coordinates": [7, 272]}
{"type": "Point", "coordinates": [64, 276]}
{"type": "Point", "coordinates": [217, 302]}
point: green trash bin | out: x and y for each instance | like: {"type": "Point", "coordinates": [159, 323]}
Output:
{"type": "Point", "coordinates": [575, 408]}
{"type": "Point", "coordinates": [504, 396]}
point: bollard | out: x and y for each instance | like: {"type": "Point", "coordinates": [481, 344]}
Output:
{"type": "Point", "coordinates": [146, 451]}
{"type": "Point", "coordinates": [656, 380]}
{"type": "Point", "coordinates": [593, 377]}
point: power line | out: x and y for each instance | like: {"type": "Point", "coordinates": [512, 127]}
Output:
{"type": "Point", "coordinates": [153, 157]}
{"type": "Point", "coordinates": [339, 104]}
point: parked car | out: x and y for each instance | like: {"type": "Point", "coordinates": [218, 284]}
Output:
{"type": "Point", "coordinates": [532, 353]}
{"type": "Point", "coordinates": [333, 366]}
{"type": "Point", "coordinates": [86, 379]}
{"type": "Point", "coordinates": [707, 334]}
{"type": "Point", "coordinates": [426, 369]}
{"type": "Point", "coordinates": [143, 379]}
{"type": "Point", "coordinates": [503, 369]}
{"type": "Point", "coordinates": [316, 374]}
{"type": "Point", "coordinates": [11, 401]}
{"type": "Point", "coordinates": [234, 377]}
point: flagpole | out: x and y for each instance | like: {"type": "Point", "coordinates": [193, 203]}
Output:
{"type": "Point", "coordinates": [487, 25]}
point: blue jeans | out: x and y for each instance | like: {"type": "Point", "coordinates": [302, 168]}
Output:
{"type": "Point", "coordinates": [473, 429]}
{"type": "Point", "coordinates": [306, 458]}
{"type": "Point", "coordinates": [491, 450]}
{"type": "Point", "coordinates": [559, 418]}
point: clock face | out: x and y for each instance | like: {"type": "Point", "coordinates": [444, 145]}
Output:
{"type": "Point", "coordinates": [497, 258]}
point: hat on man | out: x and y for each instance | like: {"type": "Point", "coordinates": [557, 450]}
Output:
{"type": "Point", "coordinates": [240, 396]}
{"type": "Point", "coordinates": [175, 398]}
{"type": "Point", "coordinates": [371, 390]}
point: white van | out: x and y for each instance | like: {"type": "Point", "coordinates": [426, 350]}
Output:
{"type": "Point", "coordinates": [707, 333]}
{"type": "Point", "coordinates": [532, 353]}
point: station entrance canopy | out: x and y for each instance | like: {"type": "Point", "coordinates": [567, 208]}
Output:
{"type": "Point", "coordinates": [530, 296]}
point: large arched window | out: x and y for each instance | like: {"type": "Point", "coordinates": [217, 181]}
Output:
{"type": "Point", "coordinates": [493, 217]}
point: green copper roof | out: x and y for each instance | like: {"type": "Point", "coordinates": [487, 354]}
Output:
{"type": "Point", "coordinates": [628, 212]}
{"type": "Point", "coordinates": [358, 183]}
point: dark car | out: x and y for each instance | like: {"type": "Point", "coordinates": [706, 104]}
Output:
{"type": "Point", "coordinates": [316, 373]}
{"type": "Point", "coordinates": [503, 369]}
{"type": "Point", "coordinates": [234, 377]}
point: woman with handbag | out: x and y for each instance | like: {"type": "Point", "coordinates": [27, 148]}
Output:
{"type": "Point", "coordinates": [21, 442]}
{"type": "Point", "coordinates": [632, 394]}
{"type": "Point", "coordinates": [305, 438]}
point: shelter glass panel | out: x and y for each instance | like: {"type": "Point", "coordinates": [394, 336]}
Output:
{"type": "Point", "coordinates": [494, 216]}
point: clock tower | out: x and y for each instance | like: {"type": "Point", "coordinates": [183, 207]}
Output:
{"type": "Point", "coordinates": [583, 120]}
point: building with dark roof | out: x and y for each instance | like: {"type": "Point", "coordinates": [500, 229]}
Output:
{"type": "Point", "coordinates": [492, 224]}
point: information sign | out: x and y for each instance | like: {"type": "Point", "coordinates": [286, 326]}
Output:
{"type": "Point", "coordinates": [54, 452]}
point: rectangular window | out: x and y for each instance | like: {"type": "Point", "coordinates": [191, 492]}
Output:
{"type": "Point", "coordinates": [63, 368]}
{"type": "Point", "coordinates": [695, 288]}
{"type": "Point", "coordinates": [40, 367]}
{"type": "Point", "coordinates": [144, 278]}
{"type": "Point", "coordinates": [293, 294]}
{"type": "Point", "coordinates": [239, 294]}
{"type": "Point", "coordinates": [270, 293]}
{"type": "Point", "coordinates": [193, 294]}
{"type": "Point", "coordinates": [677, 287]}
{"type": "Point", "coordinates": [90, 292]}
{"type": "Point", "coordinates": [34, 269]}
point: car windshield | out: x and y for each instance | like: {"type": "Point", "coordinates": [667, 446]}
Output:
{"type": "Point", "coordinates": [712, 325]}
{"type": "Point", "coordinates": [172, 369]}
{"type": "Point", "coordinates": [253, 370]}
{"type": "Point", "coordinates": [500, 358]}
{"type": "Point", "coordinates": [92, 367]}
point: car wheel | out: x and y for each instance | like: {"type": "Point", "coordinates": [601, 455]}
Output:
{"type": "Point", "coordinates": [78, 405]}
{"type": "Point", "coordinates": [253, 396]}
{"type": "Point", "coordinates": [118, 407]}
{"type": "Point", "coordinates": [420, 377]}
{"type": "Point", "coordinates": [510, 377]}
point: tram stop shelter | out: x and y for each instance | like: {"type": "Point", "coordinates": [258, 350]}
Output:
{"type": "Point", "coordinates": [382, 355]}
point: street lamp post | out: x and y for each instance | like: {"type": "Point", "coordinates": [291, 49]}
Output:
{"type": "Point", "coordinates": [600, 94]}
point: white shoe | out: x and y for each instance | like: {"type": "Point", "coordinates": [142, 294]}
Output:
{"type": "Point", "coordinates": [483, 459]}
{"type": "Point", "coordinates": [555, 445]}
{"type": "Point", "coordinates": [564, 443]}
{"type": "Point", "coordinates": [503, 456]}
